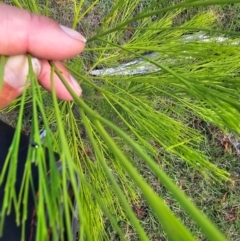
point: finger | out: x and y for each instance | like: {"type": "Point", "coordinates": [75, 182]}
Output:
{"type": "Point", "coordinates": [15, 77]}
{"type": "Point", "coordinates": [22, 32]}
{"type": "Point", "coordinates": [8, 94]}
{"type": "Point", "coordinates": [61, 91]}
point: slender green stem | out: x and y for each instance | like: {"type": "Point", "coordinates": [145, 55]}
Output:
{"type": "Point", "coordinates": [132, 216]}
{"type": "Point", "coordinates": [207, 227]}
{"type": "Point", "coordinates": [162, 10]}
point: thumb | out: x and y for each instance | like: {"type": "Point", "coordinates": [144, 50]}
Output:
{"type": "Point", "coordinates": [15, 76]}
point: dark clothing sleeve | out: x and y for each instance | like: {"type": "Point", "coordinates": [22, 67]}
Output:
{"type": "Point", "coordinates": [10, 231]}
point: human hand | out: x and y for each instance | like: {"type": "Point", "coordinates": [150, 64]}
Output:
{"type": "Point", "coordinates": [22, 32]}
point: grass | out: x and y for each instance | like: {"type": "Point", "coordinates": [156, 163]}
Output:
{"type": "Point", "coordinates": [227, 16]}
{"type": "Point", "coordinates": [219, 202]}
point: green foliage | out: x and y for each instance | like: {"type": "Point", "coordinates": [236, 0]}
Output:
{"type": "Point", "coordinates": [121, 116]}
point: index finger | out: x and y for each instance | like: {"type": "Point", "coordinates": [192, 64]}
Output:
{"type": "Point", "coordinates": [23, 32]}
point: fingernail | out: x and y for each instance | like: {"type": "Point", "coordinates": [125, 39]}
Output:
{"type": "Point", "coordinates": [76, 86]}
{"type": "Point", "coordinates": [74, 34]}
{"type": "Point", "coordinates": [37, 67]}
{"type": "Point", "coordinates": [17, 69]}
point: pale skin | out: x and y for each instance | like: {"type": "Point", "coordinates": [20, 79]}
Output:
{"type": "Point", "coordinates": [23, 33]}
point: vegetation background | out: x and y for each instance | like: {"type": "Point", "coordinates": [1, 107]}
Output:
{"type": "Point", "coordinates": [177, 117]}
